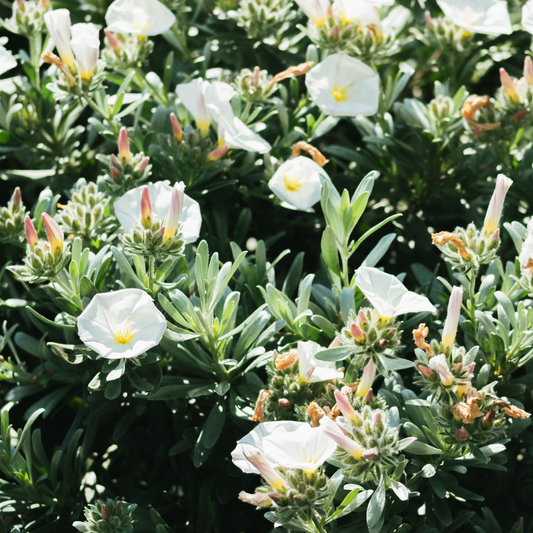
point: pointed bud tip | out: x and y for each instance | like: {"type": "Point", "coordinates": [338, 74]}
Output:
{"type": "Point", "coordinates": [176, 127]}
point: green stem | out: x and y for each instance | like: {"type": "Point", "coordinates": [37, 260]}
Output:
{"type": "Point", "coordinates": [95, 107]}
{"type": "Point", "coordinates": [318, 524]}
{"type": "Point", "coordinates": [345, 257]}
{"type": "Point", "coordinates": [246, 111]}
{"type": "Point", "coordinates": [145, 84]}
{"type": "Point", "coordinates": [473, 275]}
{"type": "Point", "coordinates": [36, 44]}
{"type": "Point", "coordinates": [151, 273]}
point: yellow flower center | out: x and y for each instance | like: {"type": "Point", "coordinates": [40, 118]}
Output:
{"type": "Point", "coordinates": [292, 183]}
{"type": "Point", "coordinates": [339, 94]}
{"type": "Point", "coordinates": [123, 336]}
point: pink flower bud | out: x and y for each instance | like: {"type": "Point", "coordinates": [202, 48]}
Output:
{"type": "Point", "coordinates": [528, 70]}
{"type": "Point", "coordinates": [161, 231]}
{"type": "Point", "coordinates": [112, 40]}
{"type": "Point", "coordinates": [335, 343]}
{"type": "Point", "coordinates": [425, 371]}
{"type": "Point", "coordinates": [470, 368]}
{"type": "Point", "coordinates": [118, 506]}
{"type": "Point", "coordinates": [496, 235]}
{"type": "Point", "coordinates": [345, 406]}
{"type": "Point", "coordinates": [335, 31]}
{"type": "Point", "coordinates": [284, 403]}
{"type": "Point", "coordinates": [509, 87]}
{"type": "Point", "coordinates": [106, 513]}
{"type": "Point", "coordinates": [31, 234]}
{"type": "Point", "coordinates": [124, 146]}
{"type": "Point", "coordinates": [266, 468]}
{"type": "Point", "coordinates": [377, 418]}
{"type": "Point", "coordinates": [16, 198]}
{"type": "Point", "coordinates": [457, 367]}
{"type": "Point", "coordinates": [383, 343]}
{"type": "Point", "coordinates": [369, 373]}
{"type": "Point", "coordinates": [362, 317]}
{"type": "Point", "coordinates": [256, 76]}
{"type": "Point", "coordinates": [54, 233]}
{"type": "Point", "coordinates": [461, 435]}
{"type": "Point", "coordinates": [218, 153]}
{"type": "Point", "coordinates": [494, 211]}
{"type": "Point", "coordinates": [369, 396]}
{"type": "Point", "coordinates": [146, 208]}
{"type": "Point", "coordinates": [175, 209]}
{"type": "Point", "coordinates": [115, 173]}
{"type": "Point", "coordinates": [335, 433]}
{"type": "Point", "coordinates": [370, 455]}
{"type": "Point", "coordinates": [357, 332]}
{"type": "Point", "coordinates": [141, 167]}
{"type": "Point", "coordinates": [115, 161]}
{"type": "Point", "coordinates": [176, 127]}
{"type": "Point", "coordinates": [45, 4]}
{"type": "Point", "coordinates": [452, 319]}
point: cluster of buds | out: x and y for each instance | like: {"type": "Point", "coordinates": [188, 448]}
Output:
{"type": "Point", "coordinates": [78, 49]}
{"type": "Point", "coordinates": [157, 237]}
{"type": "Point", "coordinates": [300, 490]}
{"type": "Point", "coordinates": [467, 249]}
{"type": "Point", "coordinates": [44, 259]}
{"type": "Point", "coordinates": [442, 34]}
{"type": "Point", "coordinates": [370, 334]}
{"type": "Point", "coordinates": [188, 155]}
{"type": "Point", "coordinates": [477, 418]}
{"type": "Point", "coordinates": [126, 170]}
{"type": "Point", "coordinates": [12, 217]}
{"type": "Point", "coordinates": [109, 517]}
{"type": "Point", "coordinates": [368, 438]}
{"type": "Point", "coordinates": [84, 214]}
{"type": "Point", "coordinates": [254, 86]}
{"type": "Point", "coordinates": [28, 17]}
{"type": "Point", "coordinates": [445, 369]}
{"type": "Point", "coordinates": [265, 19]}
{"type": "Point", "coordinates": [516, 94]}
{"type": "Point", "coordinates": [441, 108]}
{"type": "Point", "coordinates": [124, 51]}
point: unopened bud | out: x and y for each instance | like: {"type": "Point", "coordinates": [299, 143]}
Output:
{"type": "Point", "coordinates": [461, 435]}
{"type": "Point", "coordinates": [115, 161]}
{"type": "Point", "coordinates": [509, 87]}
{"type": "Point", "coordinates": [106, 513]}
{"type": "Point", "coordinates": [377, 418]}
{"type": "Point", "coordinates": [335, 343]}
{"type": "Point", "coordinates": [118, 506]}
{"type": "Point", "coordinates": [517, 117]}
{"type": "Point", "coordinates": [17, 197]}
{"type": "Point", "coordinates": [335, 31]}
{"type": "Point", "coordinates": [124, 146]}
{"type": "Point", "coordinates": [44, 4]}
{"type": "Point", "coordinates": [31, 234]}
{"type": "Point", "coordinates": [284, 403]}
{"type": "Point", "coordinates": [112, 40]}
{"type": "Point", "coordinates": [357, 332]}
{"type": "Point", "coordinates": [383, 343]}
{"type": "Point", "coordinates": [176, 127]}
{"type": "Point", "coordinates": [256, 76]}
{"type": "Point", "coordinates": [428, 19]}
{"type": "Point", "coordinates": [370, 455]}
{"type": "Point", "coordinates": [458, 367]}
{"type": "Point", "coordinates": [146, 208]}
{"type": "Point", "coordinates": [369, 396]}
{"type": "Point", "coordinates": [274, 496]}
{"type": "Point", "coordinates": [489, 419]}
{"type": "Point", "coordinates": [115, 173]}
{"type": "Point", "coordinates": [141, 167]}
{"type": "Point", "coordinates": [425, 371]}
{"type": "Point", "coordinates": [218, 153]}
{"type": "Point", "coordinates": [528, 70]}
{"type": "Point", "coordinates": [362, 317]}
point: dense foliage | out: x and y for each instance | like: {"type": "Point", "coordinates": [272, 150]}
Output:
{"type": "Point", "coordinates": [266, 237]}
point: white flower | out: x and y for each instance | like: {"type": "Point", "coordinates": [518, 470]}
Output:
{"type": "Point", "coordinates": [452, 319]}
{"type": "Point", "coordinates": [494, 211]}
{"type": "Point", "coordinates": [211, 101]}
{"type": "Point", "coordinates": [58, 24]}
{"type": "Point", "coordinates": [527, 16]}
{"type": "Point", "coordinates": [7, 61]}
{"type": "Point", "coordinates": [139, 17]}
{"type": "Point", "coordinates": [128, 209]}
{"type": "Point", "coordinates": [86, 45]}
{"type": "Point", "coordinates": [344, 86]}
{"type": "Point", "coordinates": [478, 16]}
{"type": "Point", "coordinates": [254, 441]}
{"type": "Point", "coordinates": [312, 370]}
{"type": "Point", "coordinates": [297, 182]}
{"type": "Point", "coordinates": [438, 364]}
{"type": "Point", "coordinates": [121, 324]}
{"type": "Point", "coordinates": [369, 373]}
{"type": "Point", "coordinates": [388, 295]}
{"type": "Point", "coordinates": [305, 449]}
{"type": "Point", "coordinates": [337, 435]}
{"type": "Point", "coordinates": [316, 10]}
{"type": "Point", "coordinates": [364, 13]}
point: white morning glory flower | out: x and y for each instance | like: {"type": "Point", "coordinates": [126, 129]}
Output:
{"type": "Point", "coordinates": [305, 449]}
{"type": "Point", "coordinates": [297, 183]}
{"type": "Point", "coordinates": [121, 324]}
{"type": "Point", "coordinates": [388, 295]}
{"type": "Point", "coordinates": [7, 61]}
{"type": "Point", "coordinates": [312, 370]}
{"type": "Point", "coordinates": [85, 44]}
{"type": "Point", "coordinates": [139, 17]}
{"type": "Point", "coordinates": [317, 10]}
{"type": "Point", "coordinates": [128, 209]}
{"type": "Point", "coordinates": [527, 16]}
{"type": "Point", "coordinates": [254, 441]}
{"type": "Point", "coordinates": [439, 364]}
{"type": "Point", "coordinates": [478, 16]}
{"type": "Point", "coordinates": [343, 86]}
{"type": "Point", "coordinates": [58, 25]}
{"type": "Point", "coordinates": [364, 13]}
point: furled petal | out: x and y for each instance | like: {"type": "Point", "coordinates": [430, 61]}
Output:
{"type": "Point", "coordinates": [344, 86]}
{"type": "Point", "coordinates": [121, 324]}
{"type": "Point", "coordinates": [86, 45]}
{"type": "Point", "coordinates": [139, 17]}
{"type": "Point", "coordinates": [254, 440]}
{"type": "Point", "coordinates": [58, 25]}
{"type": "Point", "coordinates": [297, 182]}
{"type": "Point", "coordinates": [128, 209]}
{"type": "Point", "coordinates": [388, 295]}
{"type": "Point", "coordinates": [334, 432]}
{"type": "Point", "coordinates": [478, 16]}
{"type": "Point", "coordinates": [192, 96]}
{"type": "Point", "coordinates": [305, 449]}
